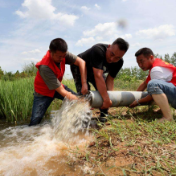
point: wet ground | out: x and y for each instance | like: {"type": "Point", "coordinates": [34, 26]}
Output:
{"type": "Point", "coordinates": [35, 151]}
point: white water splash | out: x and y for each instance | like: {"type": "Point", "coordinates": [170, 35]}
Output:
{"type": "Point", "coordinates": [73, 117]}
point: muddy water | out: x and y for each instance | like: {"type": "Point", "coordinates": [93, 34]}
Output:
{"type": "Point", "coordinates": [46, 149]}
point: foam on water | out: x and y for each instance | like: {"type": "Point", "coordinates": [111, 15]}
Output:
{"type": "Point", "coordinates": [44, 150]}
{"type": "Point", "coordinates": [73, 117]}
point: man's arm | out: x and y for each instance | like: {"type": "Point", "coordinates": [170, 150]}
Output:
{"type": "Point", "coordinates": [61, 90]}
{"type": "Point", "coordinates": [142, 86]}
{"type": "Point", "coordinates": [144, 100]}
{"type": "Point", "coordinates": [53, 83]}
{"type": "Point", "coordinates": [110, 82]}
{"type": "Point", "coordinates": [101, 86]}
{"type": "Point", "coordinates": [83, 72]}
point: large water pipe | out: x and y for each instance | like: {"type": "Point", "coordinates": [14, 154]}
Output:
{"type": "Point", "coordinates": [118, 98]}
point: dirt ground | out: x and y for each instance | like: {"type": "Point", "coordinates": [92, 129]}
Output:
{"type": "Point", "coordinates": [113, 156]}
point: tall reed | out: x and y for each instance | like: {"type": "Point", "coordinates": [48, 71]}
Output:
{"type": "Point", "coordinates": [16, 99]}
{"type": "Point", "coordinates": [69, 83]}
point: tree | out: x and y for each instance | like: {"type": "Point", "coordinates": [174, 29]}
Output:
{"type": "Point", "coordinates": [173, 59]}
{"type": "Point", "coordinates": [30, 69]}
{"type": "Point", "coordinates": [17, 74]}
{"type": "Point", "coordinates": [135, 72]}
{"type": "Point", "coordinates": [8, 76]}
{"type": "Point", "coordinates": [158, 56]}
{"type": "Point", "coordinates": [142, 74]}
{"type": "Point", "coordinates": [1, 72]}
{"type": "Point", "coordinates": [167, 58]}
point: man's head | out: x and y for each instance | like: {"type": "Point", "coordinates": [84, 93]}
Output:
{"type": "Point", "coordinates": [116, 51]}
{"type": "Point", "coordinates": [145, 58]}
{"type": "Point", "coordinates": [58, 48]}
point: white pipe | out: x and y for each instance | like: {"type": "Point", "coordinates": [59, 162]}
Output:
{"type": "Point", "coordinates": [118, 98]}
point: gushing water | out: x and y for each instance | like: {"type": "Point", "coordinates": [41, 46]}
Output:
{"type": "Point", "coordinates": [43, 150]}
{"type": "Point", "coordinates": [73, 117]}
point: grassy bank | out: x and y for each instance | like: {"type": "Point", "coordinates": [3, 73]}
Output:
{"type": "Point", "coordinates": [132, 142]}
{"type": "Point", "coordinates": [16, 99]}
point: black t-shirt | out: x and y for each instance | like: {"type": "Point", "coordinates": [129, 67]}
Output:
{"type": "Point", "coordinates": [96, 57]}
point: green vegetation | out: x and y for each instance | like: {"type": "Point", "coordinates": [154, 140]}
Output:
{"type": "Point", "coordinates": [28, 71]}
{"type": "Point", "coordinates": [16, 98]}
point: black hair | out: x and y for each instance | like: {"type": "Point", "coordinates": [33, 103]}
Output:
{"type": "Point", "coordinates": [58, 44]}
{"type": "Point", "coordinates": [145, 51]}
{"type": "Point", "coordinates": [122, 44]}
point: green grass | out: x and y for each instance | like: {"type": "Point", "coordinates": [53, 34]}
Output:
{"type": "Point", "coordinates": [126, 85]}
{"type": "Point", "coordinates": [144, 146]}
{"type": "Point", "coordinates": [16, 98]}
{"type": "Point", "coordinates": [70, 83]}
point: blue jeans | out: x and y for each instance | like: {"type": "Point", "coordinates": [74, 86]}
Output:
{"type": "Point", "coordinates": [156, 86]}
{"type": "Point", "coordinates": [41, 104]}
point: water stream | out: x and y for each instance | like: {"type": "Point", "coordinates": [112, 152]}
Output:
{"type": "Point", "coordinates": [45, 149]}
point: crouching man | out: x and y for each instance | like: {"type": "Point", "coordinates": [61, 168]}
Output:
{"type": "Point", "coordinates": [160, 83]}
{"type": "Point", "coordinates": [101, 59]}
{"type": "Point", "coordinates": [47, 84]}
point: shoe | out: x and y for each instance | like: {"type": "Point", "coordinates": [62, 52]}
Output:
{"type": "Point", "coordinates": [102, 118]}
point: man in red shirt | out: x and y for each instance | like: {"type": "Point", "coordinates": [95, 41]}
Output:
{"type": "Point", "coordinates": [160, 83]}
{"type": "Point", "coordinates": [47, 84]}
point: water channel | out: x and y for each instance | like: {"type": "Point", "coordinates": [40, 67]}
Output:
{"type": "Point", "coordinates": [45, 149]}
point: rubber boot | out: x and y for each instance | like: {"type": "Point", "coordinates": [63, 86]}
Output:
{"type": "Point", "coordinates": [103, 114]}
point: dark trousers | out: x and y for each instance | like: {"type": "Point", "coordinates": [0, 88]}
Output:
{"type": "Point", "coordinates": [41, 104]}
{"type": "Point", "coordinates": [77, 79]}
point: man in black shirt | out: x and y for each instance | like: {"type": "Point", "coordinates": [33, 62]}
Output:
{"type": "Point", "coordinates": [101, 59]}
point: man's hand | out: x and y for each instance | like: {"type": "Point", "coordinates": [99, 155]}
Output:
{"type": "Point", "coordinates": [101, 86]}
{"type": "Point", "coordinates": [144, 100]}
{"type": "Point", "coordinates": [132, 105]}
{"type": "Point", "coordinates": [70, 96]}
{"type": "Point", "coordinates": [106, 104]}
{"type": "Point", "coordinates": [84, 89]}
{"type": "Point", "coordinates": [61, 90]}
